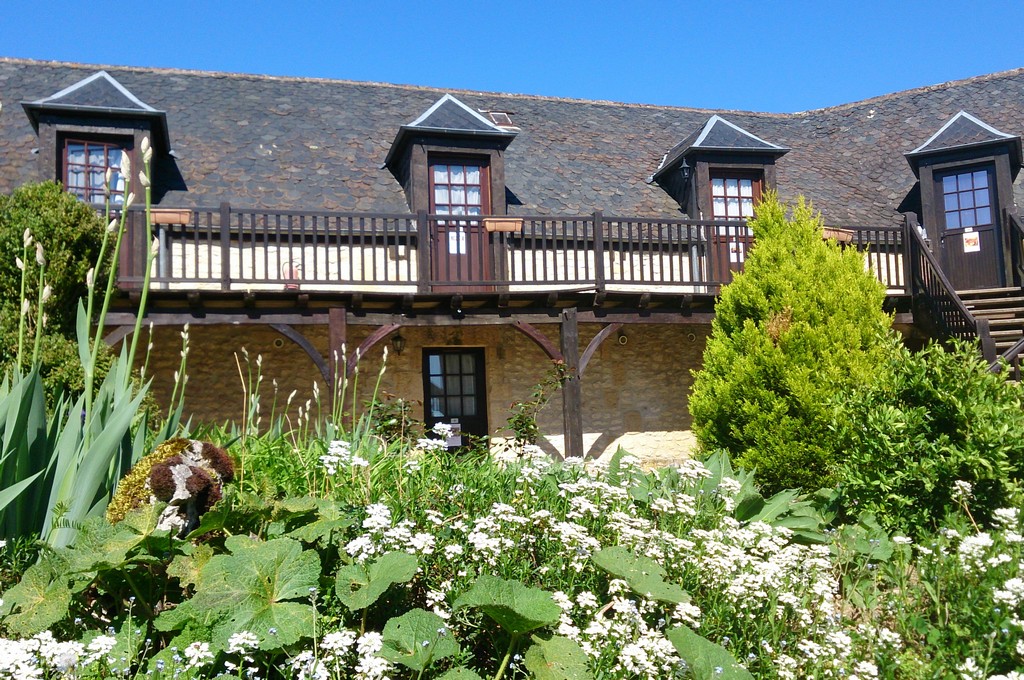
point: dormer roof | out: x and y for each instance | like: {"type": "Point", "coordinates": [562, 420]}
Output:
{"type": "Point", "coordinates": [718, 135]}
{"type": "Point", "coordinates": [964, 131]}
{"type": "Point", "coordinates": [449, 117]}
{"type": "Point", "coordinates": [99, 95]}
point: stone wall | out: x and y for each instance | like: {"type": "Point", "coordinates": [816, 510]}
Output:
{"type": "Point", "coordinates": [635, 388]}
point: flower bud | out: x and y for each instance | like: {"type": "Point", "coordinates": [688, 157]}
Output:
{"type": "Point", "coordinates": [90, 278]}
{"type": "Point", "coordinates": [40, 258]}
{"type": "Point", "coordinates": [145, 144]}
{"type": "Point", "coordinates": [126, 165]}
{"type": "Point", "coordinates": [128, 201]}
{"type": "Point", "coordinates": [25, 307]}
{"type": "Point", "coordinates": [155, 248]}
{"type": "Point", "coordinates": [112, 227]}
{"type": "Point", "coordinates": [19, 263]}
{"type": "Point", "coordinates": [47, 292]}
{"type": "Point", "coordinates": [43, 319]}
{"type": "Point", "coordinates": [27, 237]}
{"type": "Point", "coordinates": [143, 179]}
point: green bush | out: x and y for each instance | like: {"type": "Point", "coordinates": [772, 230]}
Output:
{"type": "Point", "coordinates": [933, 419]}
{"type": "Point", "coordinates": [802, 322]}
{"type": "Point", "coordinates": [71, 234]}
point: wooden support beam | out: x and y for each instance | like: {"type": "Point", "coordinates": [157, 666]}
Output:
{"type": "Point", "coordinates": [248, 299]}
{"type": "Point", "coordinates": [572, 393]}
{"type": "Point", "coordinates": [303, 342]}
{"type": "Point", "coordinates": [542, 340]}
{"type": "Point", "coordinates": [407, 302]}
{"type": "Point", "coordinates": [503, 301]}
{"type": "Point", "coordinates": [599, 297]}
{"type": "Point", "coordinates": [456, 303]}
{"type": "Point", "coordinates": [552, 299]}
{"type": "Point", "coordinates": [337, 336]}
{"type": "Point", "coordinates": [194, 301]}
{"type": "Point", "coordinates": [367, 344]}
{"type": "Point", "coordinates": [644, 301]}
{"type": "Point", "coordinates": [118, 334]}
{"type": "Point", "coordinates": [594, 343]}
{"type": "Point", "coordinates": [357, 301]}
{"type": "Point", "coordinates": [302, 300]}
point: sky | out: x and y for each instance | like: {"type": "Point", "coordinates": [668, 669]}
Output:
{"type": "Point", "coordinates": [759, 56]}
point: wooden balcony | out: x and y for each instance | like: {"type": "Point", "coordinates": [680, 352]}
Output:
{"type": "Point", "coordinates": [257, 250]}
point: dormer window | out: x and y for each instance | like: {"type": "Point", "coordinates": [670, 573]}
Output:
{"type": "Point", "coordinates": [88, 127]}
{"type": "Point", "coordinates": [967, 169]}
{"type": "Point", "coordinates": [719, 171]}
{"type": "Point", "coordinates": [85, 164]}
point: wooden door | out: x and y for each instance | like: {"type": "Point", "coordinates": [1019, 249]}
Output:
{"type": "Point", "coordinates": [460, 247]}
{"type": "Point", "coordinates": [970, 239]}
{"type": "Point", "coordinates": [454, 391]}
{"type": "Point", "coordinates": [733, 196]}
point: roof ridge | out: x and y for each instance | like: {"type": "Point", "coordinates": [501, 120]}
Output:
{"type": "Point", "coordinates": [916, 90]}
{"type": "Point", "coordinates": [513, 95]}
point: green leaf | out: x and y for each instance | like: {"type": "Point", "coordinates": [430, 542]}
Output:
{"type": "Point", "coordinates": [557, 659]}
{"type": "Point", "coordinates": [247, 591]}
{"type": "Point", "coordinates": [706, 660]}
{"type": "Point", "coordinates": [645, 576]}
{"type": "Point", "coordinates": [461, 673]}
{"type": "Point", "coordinates": [416, 639]}
{"type": "Point", "coordinates": [330, 520]}
{"type": "Point", "coordinates": [360, 585]}
{"type": "Point", "coordinates": [40, 600]}
{"type": "Point", "coordinates": [515, 607]}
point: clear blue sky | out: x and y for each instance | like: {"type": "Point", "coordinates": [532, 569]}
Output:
{"type": "Point", "coordinates": [762, 56]}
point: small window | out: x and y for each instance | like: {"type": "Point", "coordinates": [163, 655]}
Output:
{"type": "Point", "coordinates": [967, 199]}
{"type": "Point", "coordinates": [459, 187]}
{"type": "Point", "coordinates": [733, 196]}
{"type": "Point", "coordinates": [85, 168]}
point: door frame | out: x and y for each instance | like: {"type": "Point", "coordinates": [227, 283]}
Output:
{"type": "Point", "coordinates": [476, 425]}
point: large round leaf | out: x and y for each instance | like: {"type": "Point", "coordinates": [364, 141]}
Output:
{"type": "Point", "coordinates": [515, 607]}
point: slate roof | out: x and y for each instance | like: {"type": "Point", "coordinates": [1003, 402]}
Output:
{"type": "Point", "coordinates": [272, 142]}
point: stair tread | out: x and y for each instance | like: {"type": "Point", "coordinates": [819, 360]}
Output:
{"type": "Point", "coordinates": [988, 291]}
{"type": "Point", "coordinates": [1009, 322]}
{"type": "Point", "coordinates": [994, 301]}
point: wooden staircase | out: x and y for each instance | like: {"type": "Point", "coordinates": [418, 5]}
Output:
{"type": "Point", "coordinates": [1004, 309]}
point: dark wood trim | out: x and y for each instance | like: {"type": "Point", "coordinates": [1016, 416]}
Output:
{"type": "Point", "coordinates": [594, 343]}
{"type": "Point", "coordinates": [118, 334]}
{"type": "Point", "coordinates": [337, 337]}
{"type": "Point", "coordinates": [303, 342]}
{"type": "Point", "coordinates": [539, 338]}
{"type": "Point", "coordinates": [367, 344]}
{"type": "Point", "coordinates": [572, 392]}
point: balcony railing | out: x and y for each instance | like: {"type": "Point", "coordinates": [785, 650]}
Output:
{"type": "Point", "coordinates": [233, 249]}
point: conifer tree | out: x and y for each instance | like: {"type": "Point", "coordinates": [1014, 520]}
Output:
{"type": "Point", "coordinates": [801, 324]}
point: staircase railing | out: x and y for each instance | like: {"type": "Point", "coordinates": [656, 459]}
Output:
{"type": "Point", "coordinates": [1011, 357]}
{"type": "Point", "coordinates": [930, 287]}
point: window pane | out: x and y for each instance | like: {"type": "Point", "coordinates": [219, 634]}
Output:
{"type": "Point", "coordinates": [952, 220]}
{"type": "Point", "coordinates": [453, 406]}
{"type": "Point", "coordinates": [114, 158]}
{"type": "Point", "coordinates": [468, 406]}
{"type": "Point", "coordinates": [468, 363]}
{"type": "Point", "coordinates": [981, 197]}
{"type": "Point", "coordinates": [963, 181]}
{"type": "Point", "coordinates": [469, 384]}
{"type": "Point", "coordinates": [984, 215]}
{"type": "Point", "coordinates": [76, 178]}
{"type": "Point", "coordinates": [97, 156]}
{"type": "Point", "coordinates": [434, 362]}
{"type": "Point", "coordinates": [746, 187]}
{"type": "Point", "coordinates": [732, 187]}
{"type": "Point", "coordinates": [473, 196]}
{"type": "Point", "coordinates": [967, 200]}
{"type": "Point", "coordinates": [441, 174]}
{"type": "Point", "coordinates": [967, 218]}
{"type": "Point", "coordinates": [747, 207]}
{"type": "Point", "coordinates": [733, 209]}
{"type": "Point", "coordinates": [76, 154]}
{"type": "Point", "coordinates": [980, 179]}
{"type": "Point", "coordinates": [435, 408]}
{"type": "Point", "coordinates": [472, 174]}
{"type": "Point", "coordinates": [441, 195]}
{"type": "Point", "coordinates": [459, 210]}
{"type": "Point", "coordinates": [951, 202]}
{"type": "Point", "coordinates": [457, 174]}
{"type": "Point", "coordinates": [949, 184]}
{"type": "Point", "coordinates": [451, 364]}
{"type": "Point", "coordinates": [718, 186]}
{"type": "Point", "coordinates": [719, 207]}
{"type": "Point", "coordinates": [458, 195]}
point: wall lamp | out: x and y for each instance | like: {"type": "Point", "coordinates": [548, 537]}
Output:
{"type": "Point", "coordinates": [398, 342]}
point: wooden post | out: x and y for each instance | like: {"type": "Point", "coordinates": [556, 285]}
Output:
{"type": "Point", "coordinates": [225, 246]}
{"type": "Point", "coordinates": [599, 250]}
{"type": "Point", "coordinates": [337, 332]}
{"type": "Point", "coordinates": [423, 245]}
{"type": "Point", "coordinates": [572, 393]}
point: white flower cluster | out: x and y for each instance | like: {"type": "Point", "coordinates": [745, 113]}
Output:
{"type": "Point", "coordinates": [339, 456]}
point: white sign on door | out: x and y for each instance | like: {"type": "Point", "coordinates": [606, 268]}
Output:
{"type": "Point", "coordinates": [457, 241]}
